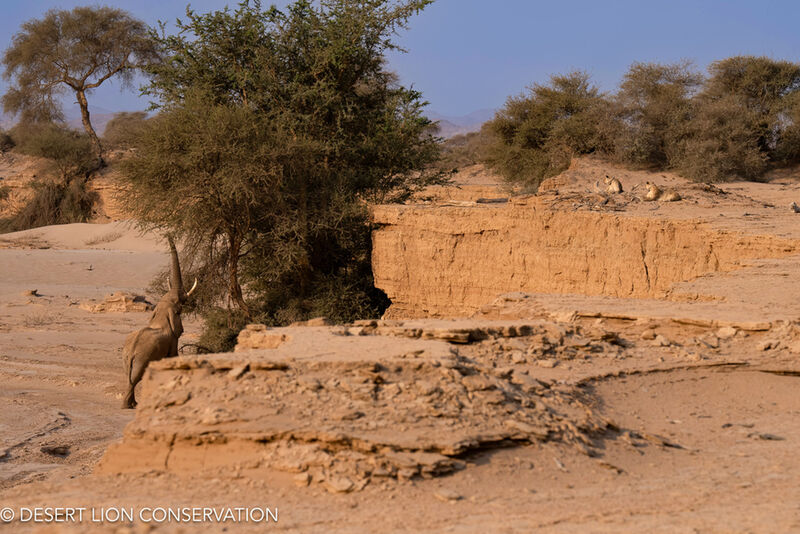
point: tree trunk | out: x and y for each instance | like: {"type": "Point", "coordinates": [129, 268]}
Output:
{"type": "Point", "coordinates": [233, 275]}
{"type": "Point", "coordinates": [87, 125]}
{"type": "Point", "coordinates": [304, 266]}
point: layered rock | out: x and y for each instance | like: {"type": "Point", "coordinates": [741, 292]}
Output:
{"type": "Point", "coordinates": [448, 261]}
{"type": "Point", "coordinates": [108, 206]}
{"type": "Point", "coordinates": [118, 302]}
{"type": "Point", "coordinates": [342, 410]}
{"type": "Point", "coordinates": [258, 336]}
{"type": "Point", "coordinates": [19, 171]}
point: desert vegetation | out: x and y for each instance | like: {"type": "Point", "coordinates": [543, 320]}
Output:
{"type": "Point", "coordinates": [121, 131]}
{"type": "Point", "coordinates": [6, 143]}
{"type": "Point", "coordinates": [534, 136]}
{"type": "Point", "coordinates": [75, 50]}
{"type": "Point", "coordinates": [737, 122]}
{"type": "Point", "coordinates": [275, 130]}
{"type": "Point", "coordinates": [462, 150]}
{"type": "Point", "coordinates": [61, 196]}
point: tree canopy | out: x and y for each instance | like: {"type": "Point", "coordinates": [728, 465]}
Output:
{"type": "Point", "coordinates": [74, 50]}
{"type": "Point", "coordinates": [653, 105]}
{"type": "Point", "coordinates": [739, 121]}
{"type": "Point", "coordinates": [535, 134]}
{"type": "Point", "coordinates": [276, 128]}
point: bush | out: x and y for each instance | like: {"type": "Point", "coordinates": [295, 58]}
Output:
{"type": "Point", "coordinates": [653, 107]}
{"type": "Point", "coordinates": [743, 120]}
{"type": "Point", "coordinates": [6, 142]}
{"type": "Point", "coordinates": [329, 276]}
{"type": "Point", "coordinates": [761, 82]}
{"type": "Point", "coordinates": [121, 131]}
{"type": "Point", "coordinates": [737, 123]}
{"type": "Point", "coordinates": [723, 143]}
{"type": "Point", "coordinates": [63, 198]}
{"type": "Point", "coordinates": [535, 136]}
{"type": "Point", "coordinates": [53, 203]}
{"type": "Point", "coordinates": [787, 147]}
{"type": "Point", "coordinates": [221, 328]}
{"type": "Point", "coordinates": [462, 150]}
{"type": "Point", "coordinates": [70, 153]}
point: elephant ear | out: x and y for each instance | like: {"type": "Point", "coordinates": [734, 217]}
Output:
{"type": "Point", "coordinates": [175, 324]}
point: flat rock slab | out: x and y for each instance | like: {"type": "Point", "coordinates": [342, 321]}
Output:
{"type": "Point", "coordinates": [343, 409]}
{"type": "Point", "coordinates": [322, 343]}
{"type": "Point", "coordinates": [119, 302]}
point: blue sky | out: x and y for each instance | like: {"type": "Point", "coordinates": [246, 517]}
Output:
{"type": "Point", "coordinates": [466, 55]}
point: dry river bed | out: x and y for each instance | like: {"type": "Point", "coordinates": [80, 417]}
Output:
{"type": "Point", "coordinates": [706, 419]}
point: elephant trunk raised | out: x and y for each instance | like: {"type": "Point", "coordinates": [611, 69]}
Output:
{"type": "Point", "coordinates": [159, 339]}
{"type": "Point", "coordinates": [175, 279]}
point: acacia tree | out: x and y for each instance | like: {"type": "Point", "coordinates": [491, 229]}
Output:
{"type": "Point", "coordinates": [742, 119]}
{"type": "Point", "coordinates": [74, 50]}
{"type": "Point", "coordinates": [276, 128]}
{"type": "Point", "coordinates": [535, 135]}
{"type": "Point", "coordinates": [654, 107]}
{"type": "Point", "coordinates": [206, 170]}
{"type": "Point", "coordinates": [761, 85]}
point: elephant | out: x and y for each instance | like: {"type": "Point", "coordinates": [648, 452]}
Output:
{"type": "Point", "coordinates": [160, 338]}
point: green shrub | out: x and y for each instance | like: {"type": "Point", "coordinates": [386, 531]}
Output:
{"type": "Point", "coordinates": [723, 143]}
{"type": "Point", "coordinates": [121, 131]}
{"type": "Point", "coordinates": [535, 136]}
{"type": "Point", "coordinates": [53, 202]}
{"type": "Point", "coordinates": [6, 142]}
{"type": "Point", "coordinates": [329, 275]}
{"type": "Point", "coordinates": [221, 328]}
{"type": "Point", "coordinates": [743, 120]}
{"type": "Point", "coordinates": [761, 82]}
{"type": "Point", "coordinates": [69, 152]}
{"type": "Point", "coordinates": [653, 107]}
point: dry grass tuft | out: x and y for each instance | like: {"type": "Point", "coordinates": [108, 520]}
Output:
{"type": "Point", "coordinates": [105, 238]}
{"type": "Point", "coordinates": [38, 320]}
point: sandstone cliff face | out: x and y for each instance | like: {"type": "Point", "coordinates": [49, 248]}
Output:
{"type": "Point", "coordinates": [108, 206]}
{"type": "Point", "coordinates": [18, 171]}
{"type": "Point", "coordinates": [449, 261]}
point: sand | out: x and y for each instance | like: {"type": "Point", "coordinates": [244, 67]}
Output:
{"type": "Point", "coordinates": [656, 414]}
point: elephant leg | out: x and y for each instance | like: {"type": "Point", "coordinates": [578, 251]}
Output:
{"type": "Point", "coordinates": [136, 371]}
{"type": "Point", "coordinates": [129, 401]}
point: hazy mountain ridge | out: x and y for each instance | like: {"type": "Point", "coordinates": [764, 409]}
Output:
{"type": "Point", "coordinates": [450, 126]}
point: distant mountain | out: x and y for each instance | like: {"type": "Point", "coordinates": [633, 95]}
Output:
{"type": "Point", "coordinates": [447, 129]}
{"type": "Point", "coordinates": [450, 126]}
